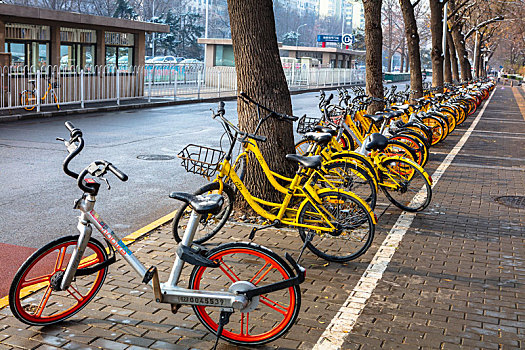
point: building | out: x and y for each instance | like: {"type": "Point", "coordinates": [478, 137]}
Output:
{"type": "Point", "coordinates": [219, 52]}
{"type": "Point", "coordinates": [41, 37]}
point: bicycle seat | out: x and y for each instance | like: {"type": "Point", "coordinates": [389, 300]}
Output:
{"type": "Point", "coordinates": [307, 162]}
{"type": "Point", "coordinates": [202, 204]}
{"type": "Point", "coordinates": [31, 81]}
{"type": "Point", "coordinates": [321, 128]}
{"type": "Point", "coordinates": [376, 141]}
{"type": "Point", "coordinates": [319, 137]}
{"type": "Point", "coordinates": [375, 117]}
{"type": "Point", "coordinates": [403, 108]}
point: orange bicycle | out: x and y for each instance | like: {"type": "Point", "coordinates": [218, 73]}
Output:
{"type": "Point", "coordinates": [28, 97]}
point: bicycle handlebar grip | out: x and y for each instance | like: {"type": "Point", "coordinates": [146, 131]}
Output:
{"type": "Point", "coordinates": [220, 109]}
{"type": "Point", "coordinates": [117, 172]}
{"type": "Point", "coordinates": [69, 126]}
{"type": "Point", "coordinates": [329, 99]}
{"type": "Point", "coordinates": [258, 137]}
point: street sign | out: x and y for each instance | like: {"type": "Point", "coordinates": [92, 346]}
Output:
{"type": "Point", "coordinates": [329, 38]}
{"type": "Point", "coordinates": [348, 39]}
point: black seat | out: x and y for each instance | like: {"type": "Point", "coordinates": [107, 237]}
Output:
{"type": "Point", "coordinates": [376, 142]}
{"type": "Point", "coordinates": [202, 204]}
{"type": "Point", "coordinates": [321, 128]}
{"type": "Point", "coordinates": [307, 162]}
{"type": "Point", "coordinates": [375, 117]}
{"type": "Point", "coordinates": [321, 138]}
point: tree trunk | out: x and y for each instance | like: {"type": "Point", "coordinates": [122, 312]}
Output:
{"type": "Point", "coordinates": [477, 54]}
{"type": "Point", "coordinates": [459, 43]}
{"type": "Point", "coordinates": [260, 75]}
{"type": "Point", "coordinates": [374, 44]}
{"type": "Point", "coordinates": [436, 28]}
{"type": "Point", "coordinates": [414, 58]}
{"type": "Point", "coordinates": [453, 57]}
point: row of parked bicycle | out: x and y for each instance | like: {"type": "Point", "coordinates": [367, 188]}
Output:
{"type": "Point", "coordinates": [344, 158]}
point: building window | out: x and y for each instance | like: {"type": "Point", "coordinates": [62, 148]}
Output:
{"type": "Point", "coordinates": [224, 55]}
{"type": "Point", "coordinates": [119, 50]}
{"type": "Point", "coordinates": [28, 45]}
{"type": "Point", "coordinates": [18, 53]}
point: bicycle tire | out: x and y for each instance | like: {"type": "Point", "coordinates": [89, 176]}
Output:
{"type": "Point", "coordinates": [203, 232]}
{"type": "Point", "coordinates": [302, 146]}
{"type": "Point", "coordinates": [25, 97]}
{"type": "Point", "coordinates": [360, 230]}
{"type": "Point", "coordinates": [285, 303]}
{"type": "Point", "coordinates": [406, 176]}
{"type": "Point", "coordinates": [396, 148]}
{"type": "Point", "coordinates": [419, 147]}
{"type": "Point", "coordinates": [437, 126]}
{"type": "Point", "coordinates": [41, 260]}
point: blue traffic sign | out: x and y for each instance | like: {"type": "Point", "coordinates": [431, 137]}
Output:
{"type": "Point", "coordinates": [329, 38]}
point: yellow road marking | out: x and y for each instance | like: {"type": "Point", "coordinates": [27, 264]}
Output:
{"type": "Point", "coordinates": [129, 239]}
{"type": "Point", "coordinates": [519, 100]}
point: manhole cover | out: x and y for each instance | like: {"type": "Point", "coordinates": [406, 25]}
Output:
{"type": "Point", "coordinates": [155, 157]}
{"type": "Point", "coordinates": [517, 202]}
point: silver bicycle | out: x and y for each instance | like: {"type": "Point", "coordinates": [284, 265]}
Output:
{"type": "Point", "coordinates": [244, 293]}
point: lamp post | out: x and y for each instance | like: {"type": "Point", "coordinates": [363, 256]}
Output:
{"type": "Point", "coordinates": [297, 32]}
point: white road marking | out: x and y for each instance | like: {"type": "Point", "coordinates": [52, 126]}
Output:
{"type": "Point", "coordinates": [346, 318]}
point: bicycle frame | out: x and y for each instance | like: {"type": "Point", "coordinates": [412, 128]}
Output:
{"type": "Point", "coordinates": [168, 292]}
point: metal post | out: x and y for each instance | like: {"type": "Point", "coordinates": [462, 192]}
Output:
{"type": "Point", "coordinates": [219, 84]}
{"type": "Point", "coordinates": [198, 84]}
{"type": "Point", "coordinates": [118, 86]}
{"type": "Point", "coordinates": [476, 55]}
{"type": "Point", "coordinates": [149, 84]}
{"type": "Point", "coordinates": [293, 74]}
{"type": "Point", "coordinates": [81, 88]}
{"type": "Point", "coordinates": [175, 85]}
{"type": "Point", "coordinates": [37, 93]}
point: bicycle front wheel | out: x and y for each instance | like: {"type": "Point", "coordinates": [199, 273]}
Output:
{"type": "Point", "coordinates": [28, 100]}
{"type": "Point", "coordinates": [353, 222]}
{"type": "Point", "coordinates": [405, 185]}
{"type": "Point", "coordinates": [34, 297]}
{"type": "Point", "coordinates": [244, 266]}
{"type": "Point", "coordinates": [209, 224]}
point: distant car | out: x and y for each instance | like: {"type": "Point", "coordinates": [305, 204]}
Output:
{"type": "Point", "coordinates": [190, 60]}
{"type": "Point", "coordinates": [164, 59]}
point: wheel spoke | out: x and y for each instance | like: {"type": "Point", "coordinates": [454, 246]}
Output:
{"type": "Point", "coordinates": [263, 275]}
{"type": "Point", "coordinates": [36, 280]}
{"type": "Point", "coordinates": [228, 271]}
{"type": "Point", "coordinates": [75, 291]}
{"type": "Point", "coordinates": [273, 305]}
{"type": "Point", "coordinates": [43, 302]}
{"type": "Point", "coordinates": [244, 328]}
{"type": "Point", "coordinates": [60, 258]}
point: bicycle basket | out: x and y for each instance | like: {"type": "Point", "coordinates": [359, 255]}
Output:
{"type": "Point", "coordinates": [307, 124]}
{"type": "Point", "coordinates": [201, 160]}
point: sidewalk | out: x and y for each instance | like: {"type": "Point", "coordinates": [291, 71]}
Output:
{"type": "Point", "coordinates": [455, 280]}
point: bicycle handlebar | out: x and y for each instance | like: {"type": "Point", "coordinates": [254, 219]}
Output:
{"type": "Point", "coordinates": [74, 146]}
{"type": "Point", "coordinates": [272, 112]}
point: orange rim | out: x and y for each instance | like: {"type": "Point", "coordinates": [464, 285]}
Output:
{"type": "Point", "coordinates": [243, 335]}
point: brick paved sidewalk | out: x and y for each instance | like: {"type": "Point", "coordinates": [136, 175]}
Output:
{"type": "Point", "coordinates": [456, 279]}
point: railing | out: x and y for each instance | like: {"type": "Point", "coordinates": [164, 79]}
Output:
{"type": "Point", "coordinates": [153, 82]}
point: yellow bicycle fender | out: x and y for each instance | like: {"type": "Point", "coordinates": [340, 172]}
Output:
{"type": "Point", "coordinates": [411, 162]}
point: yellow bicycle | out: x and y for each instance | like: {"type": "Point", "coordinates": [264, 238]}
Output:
{"type": "Point", "coordinates": [334, 224]}
{"type": "Point", "coordinates": [28, 98]}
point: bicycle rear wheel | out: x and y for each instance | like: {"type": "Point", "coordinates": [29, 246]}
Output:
{"type": "Point", "coordinates": [28, 100]}
{"type": "Point", "coordinates": [34, 297]}
{"type": "Point", "coordinates": [244, 266]}
{"type": "Point", "coordinates": [209, 224]}
{"type": "Point", "coordinates": [405, 185]}
{"type": "Point", "coordinates": [353, 221]}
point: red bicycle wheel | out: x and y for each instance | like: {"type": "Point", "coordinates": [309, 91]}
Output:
{"type": "Point", "coordinates": [34, 297]}
{"type": "Point", "coordinates": [246, 265]}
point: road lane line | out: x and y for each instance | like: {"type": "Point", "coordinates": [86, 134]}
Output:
{"type": "Point", "coordinates": [345, 319]}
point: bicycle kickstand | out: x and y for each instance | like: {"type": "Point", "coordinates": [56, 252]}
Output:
{"type": "Point", "coordinates": [308, 239]}
{"type": "Point", "coordinates": [223, 321]}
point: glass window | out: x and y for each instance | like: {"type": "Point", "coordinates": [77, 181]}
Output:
{"type": "Point", "coordinates": [125, 57]}
{"type": "Point", "coordinates": [18, 54]}
{"type": "Point", "coordinates": [67, 57]}
{"type": "Point", "coordinates": [87, 57]}
{"type": "Point", "coordinates": [224, 56]}
{"type": "Point", "coordinates": [111, 55]}
{"type": "Point", "coordinates": [38, 55]}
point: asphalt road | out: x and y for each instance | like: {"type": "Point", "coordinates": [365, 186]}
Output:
{"type": "Point", "coordinates": [36, 200]}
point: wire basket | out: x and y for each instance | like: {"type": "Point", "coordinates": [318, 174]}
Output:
{"type": "Point", "coordinates": [201, 160]}
{"type": "Point", "coordinates": [307, 124]}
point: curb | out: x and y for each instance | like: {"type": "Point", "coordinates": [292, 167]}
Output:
{"type": "Point", "coordinates": [129, 239]}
